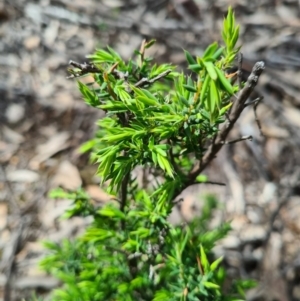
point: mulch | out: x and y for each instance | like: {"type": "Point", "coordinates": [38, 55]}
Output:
{"type": "Point", "coordinates": [43, 122]}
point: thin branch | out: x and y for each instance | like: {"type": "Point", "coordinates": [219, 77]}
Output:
{"type": "Point", "coordinates": [213, 183]}
{"type": "Point", "coordinates": [254, 101]}
{"type": "Point", "coordinates": [120, 74]}
{"type": "Point", "coordinates": [142, 52]}
{"type": "Point", "coordinates": [9, 262]}
{"type": "Point", "coordinates": [91, 68]}
{"type": "Point", "coordinates": [237, 108]}
{"type": "Point", "coordinates": [83, 69]}
{"type": "Point", "coordinates": [123, 191]}
{"type": "Point", "coordinates": [239, 139]}
{"type": "Point", "coordinates": [173, 162]}
{"type": "Point", "coordinates": [240, 70]}
{"type": "Point", "coordinates": [146, 81]}
{"type": "Point", "coordinates": [255, 115]}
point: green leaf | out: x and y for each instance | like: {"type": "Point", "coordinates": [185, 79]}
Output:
{"type": "Point", "coordinates": [150, 43]}
{"type": "Point", "coordinates": [102, 56]}
{"type": "Point", "coordinates": [183, 100]}
{"type": "Point", "coordinates": [189, 58]}
{"type": "Point", "coordinates": [90, 97]}
{"type": "Point", "coordinates": [210, 50]}
{"type": "Point", "coordinates": [164, 165]}
{"type": "Point", "coordinates": [110, 211]}
{"type": "Point", "coordinates": [235, 36]}
{"type": "Point", "coordinates": [128, 134]}
{"type": "Point", "coordinates": [204, 260]}
{"type": "Point", "coordinates": [154, 158]}
{"type": "Point", "coordinates": [160, 151]}
{"type": "Point", "coordinates": [204, 88]}
{"type": "Point", "coordinates": [190, 88]}
{"type": "Point", "coordinates": [115, 55]}
{"type": "Point", "coordinates": [218, 53]}
{"type": "Point", "coordinates": [211, 285]}
{"type": "Point", "coordinates": [214, 96]}
{"type": "Point", "coordinates": [146, 97]}
{"type": "Point", "coordinates": [229, 21]}
{"type": "Point", "coordinates": [225, 109]}
{"type": "Point", "coordinates": [130, 244]}
{"type": "Point", "coordinates": [116, 106]}
{"type": "Point", "coordinates": [202, 178]}
{"type": "Point", "coordinates": [211, 70]}
{"type": "Point", "coordinates": [195, 67]}
{"type": "Point", "coordinates": [96, 235]}
{"type": "Point", "coordinates": [216, 263]}
{"type": "Point", "coordinates": [149, 94]}
{"type": "Point", "coordinates": [137, 282]}
{"type": "Point", "coordinates": [123, 288]}
{"type": "Point", "coordinates": [147, 101]}
{"type": "Point", "coordinates": [87, 146]}
{"type": "Point", "coordinates": [141, 232]}
{"type": "Point", "coordinates": [163, 295]}
{"type": "Point", "coordinates": [223, 80]}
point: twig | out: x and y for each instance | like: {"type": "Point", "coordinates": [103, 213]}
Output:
{"type": "Point", "coordinates": [123, 195]}
{"type": "Point", "coordinates": [239, 139]}
{"type": "Point", "coordinates": [84, 69]}
{"type": "Point", "coordinates": [213, 183]}
{"type": "Point", "coordinates": [142, 52]}
{"type": "Point", "coordinates": [237, 108]}
{"type": "Point", "coordinates": [173, 162]}
{"type": "Point", "coordinates": [256, 102]}
{"type": "Point", "coordinates": [8, 264]}
{"type": "Point", "coordinates": [250, 103]}
{"type": "Point", "coordinates": [120, 74]}
{"type": "Point", "coordinates": [12, 199]}
{"type": "Point", "coordinates": [240, 70]}
{"type": "Point", "coordinates": [255, 115]}
{"type": "Point", "coordinates": [146, 81]}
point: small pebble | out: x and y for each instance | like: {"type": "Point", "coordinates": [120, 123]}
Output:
{"type": "Point", "coordinates": [15, 113]}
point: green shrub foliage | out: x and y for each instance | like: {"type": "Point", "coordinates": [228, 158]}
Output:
{"type": "Point", "coordinates": [163, 121]}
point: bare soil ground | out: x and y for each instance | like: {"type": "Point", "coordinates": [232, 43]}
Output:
{"type": "Point", "coordinates": [43, 121]}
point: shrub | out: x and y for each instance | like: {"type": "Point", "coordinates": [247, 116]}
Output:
{"type": "Point", "coordinates": [172, 125]}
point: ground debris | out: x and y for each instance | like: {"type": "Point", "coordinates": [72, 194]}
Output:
{"type": "Point", "coordinates": [43, 121]}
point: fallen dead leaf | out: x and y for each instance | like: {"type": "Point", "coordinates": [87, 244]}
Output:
{"type": "Point", "coordinates": [45, 151]}
{"type": "Point", "coordinates": [98, 195]}
{"type": "Point", "coordinates": [67, 176]}
{"type": "Point", "coordinates": [32, 42]}
{"type": "Point", "coordinates": [7, 151]}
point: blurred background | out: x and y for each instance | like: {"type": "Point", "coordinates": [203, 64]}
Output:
{"type": "Point", "coordinates": [43, 121]}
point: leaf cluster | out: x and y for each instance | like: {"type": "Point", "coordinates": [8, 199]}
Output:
{"type": "Point", "coordinates": [160, 120]}
{"type": "Point", "coordinates": [150, 260]}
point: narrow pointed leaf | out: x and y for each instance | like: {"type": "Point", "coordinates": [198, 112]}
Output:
{"type": "Point", "coordinates": [190, 88]}
{"type": "Point", "coordinates": [224, 81]}
{"type": "Point", "coordinates": [204, 88]}
{"type": "Point", "coordinates": [211, 70]}
{"type": "Point", "coordinates": [189, 58]}
{"type": "Point", "coordinates": [210, 50]}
